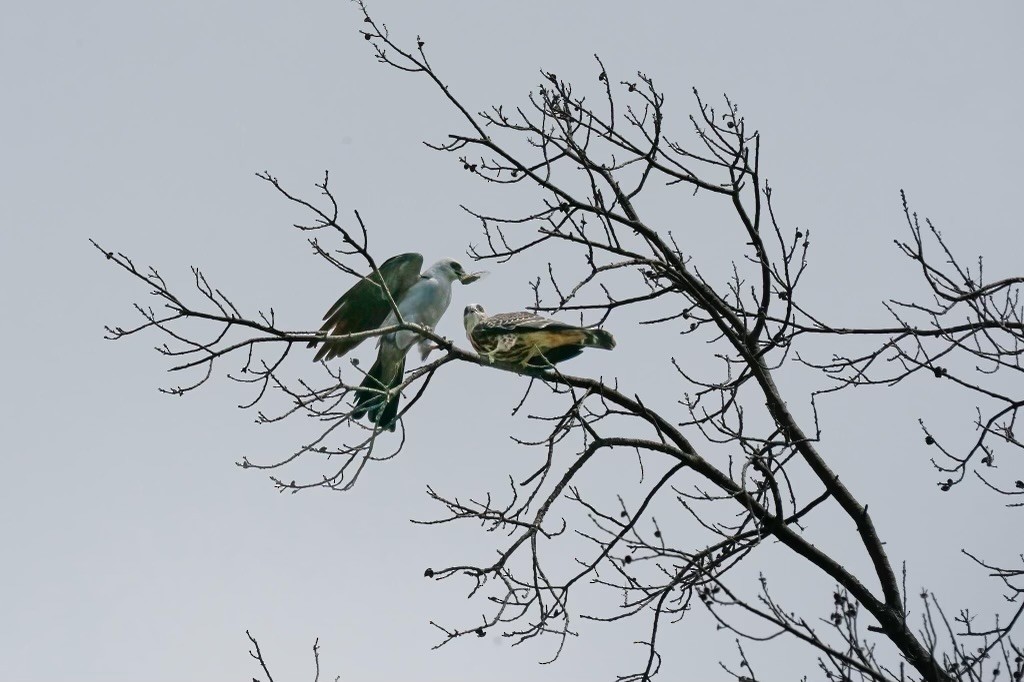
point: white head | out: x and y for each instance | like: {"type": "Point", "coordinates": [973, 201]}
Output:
{"type": "Point", "coordinates": [451, 270]}
{"type": "Point", "coordinates": [472, 316]}
{"type": "Point", "coordinates": [447, 269]}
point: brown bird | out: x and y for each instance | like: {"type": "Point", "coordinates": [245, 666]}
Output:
{"type": "Point", "coordinates": [523, 338]}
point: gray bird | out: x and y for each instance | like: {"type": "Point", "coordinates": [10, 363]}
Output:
{"type": "Point", "coordinates": [422, 299]}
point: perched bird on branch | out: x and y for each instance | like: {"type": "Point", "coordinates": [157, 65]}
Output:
{"type": "Point", "coordinates": [529, 340]}
{"type": "Point", "coordinates": [421, 298]}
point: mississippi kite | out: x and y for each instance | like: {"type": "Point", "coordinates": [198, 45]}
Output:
{"type": "Point", "coordinates": [529, 340]}
{"type": "Point", "coordinates": [421, 298]}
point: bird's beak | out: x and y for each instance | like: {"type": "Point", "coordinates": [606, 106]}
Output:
{"type": "Point", "coordinates": [470, 277]}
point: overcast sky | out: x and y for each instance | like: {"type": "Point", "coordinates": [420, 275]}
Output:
{"type": "Point", "coordinates": [133, 546]}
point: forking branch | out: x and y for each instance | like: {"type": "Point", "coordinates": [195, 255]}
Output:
{"type": "Point", "coordinates": [731, 464]}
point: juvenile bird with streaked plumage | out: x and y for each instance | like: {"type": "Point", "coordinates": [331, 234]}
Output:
{"type": "Point", "coordinates": [527, 339]}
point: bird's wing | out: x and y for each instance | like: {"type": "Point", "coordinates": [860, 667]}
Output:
{"type": "Point", "coordinates": [521, 322]}
{"type": "Point", "coordinates": [365, 306]}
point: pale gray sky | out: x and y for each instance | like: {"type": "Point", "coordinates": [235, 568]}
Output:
{"type": "Point", "coordinates": [135, 549]}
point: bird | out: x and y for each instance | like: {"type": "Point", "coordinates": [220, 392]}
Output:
{"type": "Point", "coordinates": [529, 340]}
{"type": "Point", "coordinates": [421, 298]}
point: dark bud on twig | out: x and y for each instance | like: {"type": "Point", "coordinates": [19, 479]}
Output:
{"type": "Point", "coordinates": [628, 559]}
{"type": "Point", "coordinates": [939, 372]}
{"type": "Point", "coordinates": [429, 573]}
{"type": "Point", "coordinates": [928, 440]}
{"type": "Point", "coordinates": [944, 487]}
{"type": "Point", "coordinates": [479, 632]}
{"type": "Point", "coordinates": [1019, 484]}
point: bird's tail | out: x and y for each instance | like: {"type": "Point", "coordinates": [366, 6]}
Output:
{"type": "Point", "coordinates": [599, 338]}
{"type": "Point", "coordinates": [374, 396]}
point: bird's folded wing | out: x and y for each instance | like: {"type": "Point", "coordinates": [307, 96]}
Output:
{"type": "Point", "coordinates": [365, 306]}
{"type": "Point", "coordinates": [519, 323]}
